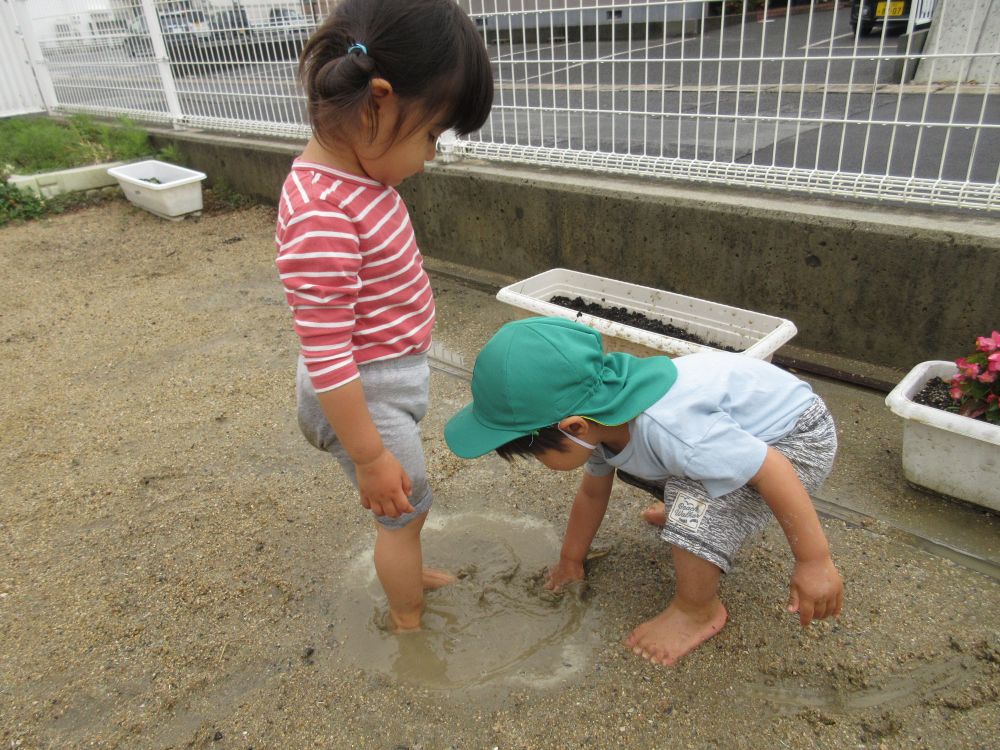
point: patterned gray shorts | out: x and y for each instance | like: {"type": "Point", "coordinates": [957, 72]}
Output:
{"type": "Point", "coordinates": [396, 391]}
{"type": "Point", "coordinates": [715, 528]}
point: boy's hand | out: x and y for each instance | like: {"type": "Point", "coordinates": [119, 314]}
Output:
{"type": "Point", "coordinates": [563, 572]}
{"type": "Point", "coordinates": [384, 486]}
{"type": "Point", "coordinates": [816, 590]}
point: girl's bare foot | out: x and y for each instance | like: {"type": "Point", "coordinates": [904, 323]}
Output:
{"type": "Point", "coordinates": [435, 579]}
{"type": "Point", "coordinates": [402, 622]}
{"type": "Point", "coordinates": [655, 515]}
{"type": "Point", "coordinates": [409, 620]}
{"type": "Point", "coordinates": [676, 631]}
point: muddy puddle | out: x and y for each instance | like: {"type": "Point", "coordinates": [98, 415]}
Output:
{"type": "Point", "coordinates": [495, 626]}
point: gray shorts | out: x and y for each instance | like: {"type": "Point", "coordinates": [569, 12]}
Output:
{"type": "Point", "coordinates": [396, 392]}
{"type": "Point", "coordinates": [715, 528]}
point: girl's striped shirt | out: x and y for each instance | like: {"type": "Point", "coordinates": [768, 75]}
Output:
{"type": "Point", "coordinates": [352, 272]}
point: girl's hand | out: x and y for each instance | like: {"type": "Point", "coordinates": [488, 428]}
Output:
{"type": "Point", "coordinates": [384, 486]}
{"type": "Point", "coordinates": [816, 590]}
{"type": "Point", "coordinates": [563, 572]}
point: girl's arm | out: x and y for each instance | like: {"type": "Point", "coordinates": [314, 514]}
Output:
{"type": "Point", "coordinates": [589, 506]}
{"type": "Point", "coordinates": [816, 589]}
{"type": "Point", "coordinates": [382, 482]}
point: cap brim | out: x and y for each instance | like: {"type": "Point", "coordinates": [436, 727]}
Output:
{"type": "Point", "coordinates": [467, 437]}
{"type": "Point", "coordinates": [630, 385]}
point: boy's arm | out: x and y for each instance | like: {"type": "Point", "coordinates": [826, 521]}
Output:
{"type": "Point", "coordinates": [382, 481]}
{"type": "Point", "coordinates": [816, 589]}
{"type": "Point", "coordinates": [585, 518]}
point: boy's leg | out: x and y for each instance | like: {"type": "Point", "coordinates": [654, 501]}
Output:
{"type": "Point", "coordinates": [655, 514]}
{"type": "Point", "coordinates": [705, 534]}
{"type": "Point", "coordinates": [693, 616]}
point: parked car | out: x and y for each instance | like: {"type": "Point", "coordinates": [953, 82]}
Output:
{"type": "Point", "coordinates": [283, 16]}
{"type": "Point", "coordinates": [182, 31]}
{"type": "Point", "coordinates": [230, 24]}
{"type": "Point", "coordinates": [865, 14]}
{"type": "Point", "coordinates": [283, 34]}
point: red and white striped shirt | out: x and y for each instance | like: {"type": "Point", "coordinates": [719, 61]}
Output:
{"type": "Point", "coordinates": [352, 273]}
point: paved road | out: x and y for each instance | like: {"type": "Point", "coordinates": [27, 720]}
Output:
{"type": "Point", "coordinates": [801, 91]}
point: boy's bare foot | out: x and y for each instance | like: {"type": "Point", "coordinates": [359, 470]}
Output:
{"type": "Point", "coordinates": [435, 579]}
{"type": "Point", "coordinates": [675, 632]}
{"type": "Point", "coordinates": [655, 515]}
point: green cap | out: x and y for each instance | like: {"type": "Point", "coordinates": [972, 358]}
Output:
{"type": "Point", "coordinates": [537, 371]}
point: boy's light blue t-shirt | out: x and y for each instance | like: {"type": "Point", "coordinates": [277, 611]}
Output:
{"type": "Point", "coordinates": [713, 425]}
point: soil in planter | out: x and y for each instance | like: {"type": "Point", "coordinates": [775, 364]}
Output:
{"type": "Point", "coordinates": [635, 319]}
{"type": "Point", "coordinates": [936, 394]}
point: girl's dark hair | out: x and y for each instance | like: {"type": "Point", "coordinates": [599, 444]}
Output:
{"type": "Point", "coordinates": [548, 438]}
{"type": "Point", "coordinates": [428, 50]}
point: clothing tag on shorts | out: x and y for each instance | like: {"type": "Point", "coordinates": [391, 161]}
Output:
{"type": "Point", "coordinates": [687, 511]}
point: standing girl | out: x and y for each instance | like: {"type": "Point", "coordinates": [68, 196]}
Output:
{"type": "Point", "coordinates": [383, 79]}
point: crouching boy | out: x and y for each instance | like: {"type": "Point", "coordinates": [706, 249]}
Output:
{"type": "Point", "coordinates": [734, 441]}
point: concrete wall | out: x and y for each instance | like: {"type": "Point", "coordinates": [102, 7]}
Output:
{"type": "Point", "coordinates": [962, 26]}
{"type": "Point", "coordinates": [885, 286]}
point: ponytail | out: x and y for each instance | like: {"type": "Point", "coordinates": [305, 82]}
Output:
{"type": "Point", "coordinates": [341, 85]}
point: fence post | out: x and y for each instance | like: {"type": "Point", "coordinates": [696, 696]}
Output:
{"type": "Point", "coordinates": [162, 62]}
{"type": "Point", "coordinates": [39, 67]}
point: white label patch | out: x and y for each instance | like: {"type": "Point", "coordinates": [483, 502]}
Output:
{"type": "Point", "coordinates": [687, 511]}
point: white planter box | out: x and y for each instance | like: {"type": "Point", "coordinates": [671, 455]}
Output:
{"type": "Point", "coordinates": [176, 192]}
{"type": "Point", "coordinates": [945, 452]}
{"type": "Point", "coordinates": [750, 333]}
{"type": "Point", "coordinates": [57, 182]}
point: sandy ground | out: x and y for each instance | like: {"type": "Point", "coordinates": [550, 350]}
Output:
{"type": "Point", "coordinates": [179, 569]}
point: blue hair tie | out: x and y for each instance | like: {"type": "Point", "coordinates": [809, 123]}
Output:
{"type": "Point", "coordinates": [359, 47]}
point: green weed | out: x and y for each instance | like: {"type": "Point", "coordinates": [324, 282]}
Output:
{"type": "Point", "coordinates": [38, 144]}
{"type": "Point", "coordinates": [222, 197]}
{"type": "Point", "coordinates": [19, 204]}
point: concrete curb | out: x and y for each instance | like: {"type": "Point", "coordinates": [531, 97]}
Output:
{"type": "Point", "coordinates": [57, 182]}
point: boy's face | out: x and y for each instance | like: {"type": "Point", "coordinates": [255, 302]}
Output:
{"type": "Point", "coordinates": [572, 457]}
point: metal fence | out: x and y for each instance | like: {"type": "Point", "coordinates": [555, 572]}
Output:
{"type": "Point", "coordinates": [777, 94]}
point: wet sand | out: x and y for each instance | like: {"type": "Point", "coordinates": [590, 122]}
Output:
{"type": "Point", "coordinates": [494, 629]}
{"type": "Point", "coordinates": [178, 568]}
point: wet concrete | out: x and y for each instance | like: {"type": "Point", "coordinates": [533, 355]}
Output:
{"type": "Point", "coordinates": [867, 487]}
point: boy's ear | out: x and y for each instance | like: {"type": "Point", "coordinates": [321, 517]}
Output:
{"type": "Point", "coordinates": [575, 426]}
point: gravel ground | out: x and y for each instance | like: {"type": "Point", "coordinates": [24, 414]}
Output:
{"type": "Point", "coordinates": [174, 557]}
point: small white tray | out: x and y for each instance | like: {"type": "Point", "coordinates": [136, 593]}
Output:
{"type": "Point", "coordinates": [176, 192]}
{"type": "Point", "coordinates": [750, 333]}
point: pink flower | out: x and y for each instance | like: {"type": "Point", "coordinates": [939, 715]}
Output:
{"type": "Point", "coordinates": [991, 397]}
{"type": "Point", "coordinates": [988, 343]}
{"type": "Point", "coordinates": [987, 377]}
{"type": "Point", "coordinates": [955, 393]}
{"type": "Point", "coordinates": [994, 361]}
{"type": "Point", "coordinates": [967, 368]}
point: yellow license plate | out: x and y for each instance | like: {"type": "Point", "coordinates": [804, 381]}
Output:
{"type": "Point", "coordinates": [896, 8]}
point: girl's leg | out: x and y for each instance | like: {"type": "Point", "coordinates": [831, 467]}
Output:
{"type": "Point", "coordinates": [693, 616]}
{"type": "Point", "coordinates": [399, 566]}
